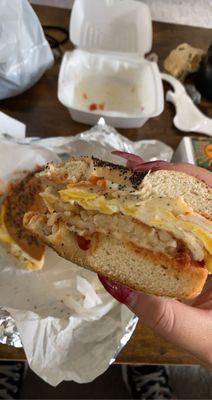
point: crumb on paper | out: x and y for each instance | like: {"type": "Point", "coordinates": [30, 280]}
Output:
{"type": "Point", "coordinates": [85, 96]}
{"type": "Point", "coordinates": [142, 108]}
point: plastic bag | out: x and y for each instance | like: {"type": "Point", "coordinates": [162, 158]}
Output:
{"type": "Point", "coordinates": [24, 52]}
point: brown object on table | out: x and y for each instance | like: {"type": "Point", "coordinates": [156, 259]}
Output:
{"type": "Point", "coordinates": [183, 60]}
{"type": "Point", "coordinates": [44, 116]}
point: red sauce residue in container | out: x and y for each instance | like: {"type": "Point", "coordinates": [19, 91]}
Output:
{"type": "Point", "coordinates": [95, 106]}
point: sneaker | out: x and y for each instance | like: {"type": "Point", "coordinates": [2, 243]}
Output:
{"type": "Point", "coordinates": [11, 377]}
{"type": "Point", "coordinates": [147, 382]}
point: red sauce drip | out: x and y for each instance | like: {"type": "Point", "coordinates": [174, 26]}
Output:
{"type": "Point", "coordinates": [200, 264]}
{"type": "Point", "coordinates": [184, 257]}
{"type": "Point", "coordinates": [95, 106]}
{"type": "Point", "coordinates": [83, 243]}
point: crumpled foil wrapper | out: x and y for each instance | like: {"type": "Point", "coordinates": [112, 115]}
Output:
{"type": "Point", "coordinates": [8, 332]}
{"type": "Point", "coordinates": [86, 338]}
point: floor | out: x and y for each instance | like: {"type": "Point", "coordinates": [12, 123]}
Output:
{"type": "Point", "coordinates": [188, 383]}
{"type": "Point", "coordinates": [191, 382]}
{"type": "Point", "coordinates": [108, 386]}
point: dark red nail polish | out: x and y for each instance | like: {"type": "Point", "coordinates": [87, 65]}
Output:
{"type": "Point", "coordinates": [118, 291]}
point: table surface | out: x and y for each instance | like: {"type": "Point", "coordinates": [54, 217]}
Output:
{"type": "Point", "coordinates": [44, 116]}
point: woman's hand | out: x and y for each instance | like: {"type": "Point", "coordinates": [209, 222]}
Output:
{"type": "Point", "coordinates": [187, 326]}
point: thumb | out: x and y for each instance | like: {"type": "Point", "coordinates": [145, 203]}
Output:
{"type": "Point", "coordinates": [183, 325]}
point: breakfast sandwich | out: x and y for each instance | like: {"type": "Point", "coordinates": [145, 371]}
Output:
{"type": "Point", "coordinates": [151, 231]}
{"type": "Point", "coordinates": [22, 244]}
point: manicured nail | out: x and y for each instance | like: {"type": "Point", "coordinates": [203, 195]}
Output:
{"type": "Point", "coordinates": [121, 293]}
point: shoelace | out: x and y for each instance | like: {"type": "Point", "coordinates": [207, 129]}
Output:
{"type": "Point", "coordinates": [159, 391]}
{"type": "Point", "coordinates": [7, 372]}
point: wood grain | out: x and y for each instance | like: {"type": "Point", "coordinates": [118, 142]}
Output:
{"type": "Point", "coordinates": [45, 116]}
{"type": "Point", "coordinates": [147, 348]}
{"type": "Point", "coordinates": [40, 109]}
{"type": "Point", "coordinates": [11, 353]}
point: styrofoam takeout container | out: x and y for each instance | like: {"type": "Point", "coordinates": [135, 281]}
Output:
{"type": "Point", "coordinates": [107, 75]}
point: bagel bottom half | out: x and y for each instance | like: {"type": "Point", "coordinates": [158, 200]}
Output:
{"type": "Point", "coordinates": [121, 261]}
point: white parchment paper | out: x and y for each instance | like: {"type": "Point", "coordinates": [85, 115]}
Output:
{"type": "Point", "coordinates": [71, 329]}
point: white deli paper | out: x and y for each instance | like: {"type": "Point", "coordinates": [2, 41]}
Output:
{"type": "Point", "coordinates": [71, 329]}
{"type": "Point", "coordinates": [11, 126]}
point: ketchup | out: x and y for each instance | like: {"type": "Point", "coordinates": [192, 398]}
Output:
{"type": "Point", "coordinates": [96, 180]}
{"type": "Point", "coordinates": [83, 243]}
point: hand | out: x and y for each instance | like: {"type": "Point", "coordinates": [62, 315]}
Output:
{"type": "Point", "coordinates": [187, 326]}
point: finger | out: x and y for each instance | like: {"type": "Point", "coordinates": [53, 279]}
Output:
{"type": "Point", "coordinates": [131, 164]}
{"type": "Point", "coordinates": [128, 156]}
{"type": "Point", "coordinates": [198, 172]}
{"type": "Point", "coordinates": [185, 326]}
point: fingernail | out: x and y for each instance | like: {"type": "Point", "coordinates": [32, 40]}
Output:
{"type": "Point", "coordinates": [120, 292]}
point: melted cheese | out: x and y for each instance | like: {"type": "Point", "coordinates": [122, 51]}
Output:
{"type": "Point", "coordinates": [4, 235]}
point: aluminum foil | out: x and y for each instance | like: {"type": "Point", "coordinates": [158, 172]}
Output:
{"type": "Point", "coordinates": [8, 332]}
{"type": "Point", "coordinates": [99, 141]}
{"type": "Point", "coordinates": [91, 320]}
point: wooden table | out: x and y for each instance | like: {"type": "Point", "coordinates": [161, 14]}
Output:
{"type": "Point", "coordinates": [40, 110]}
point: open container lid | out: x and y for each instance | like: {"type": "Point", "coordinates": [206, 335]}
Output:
{"type": "Point", "coordinates": [121, 26]}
